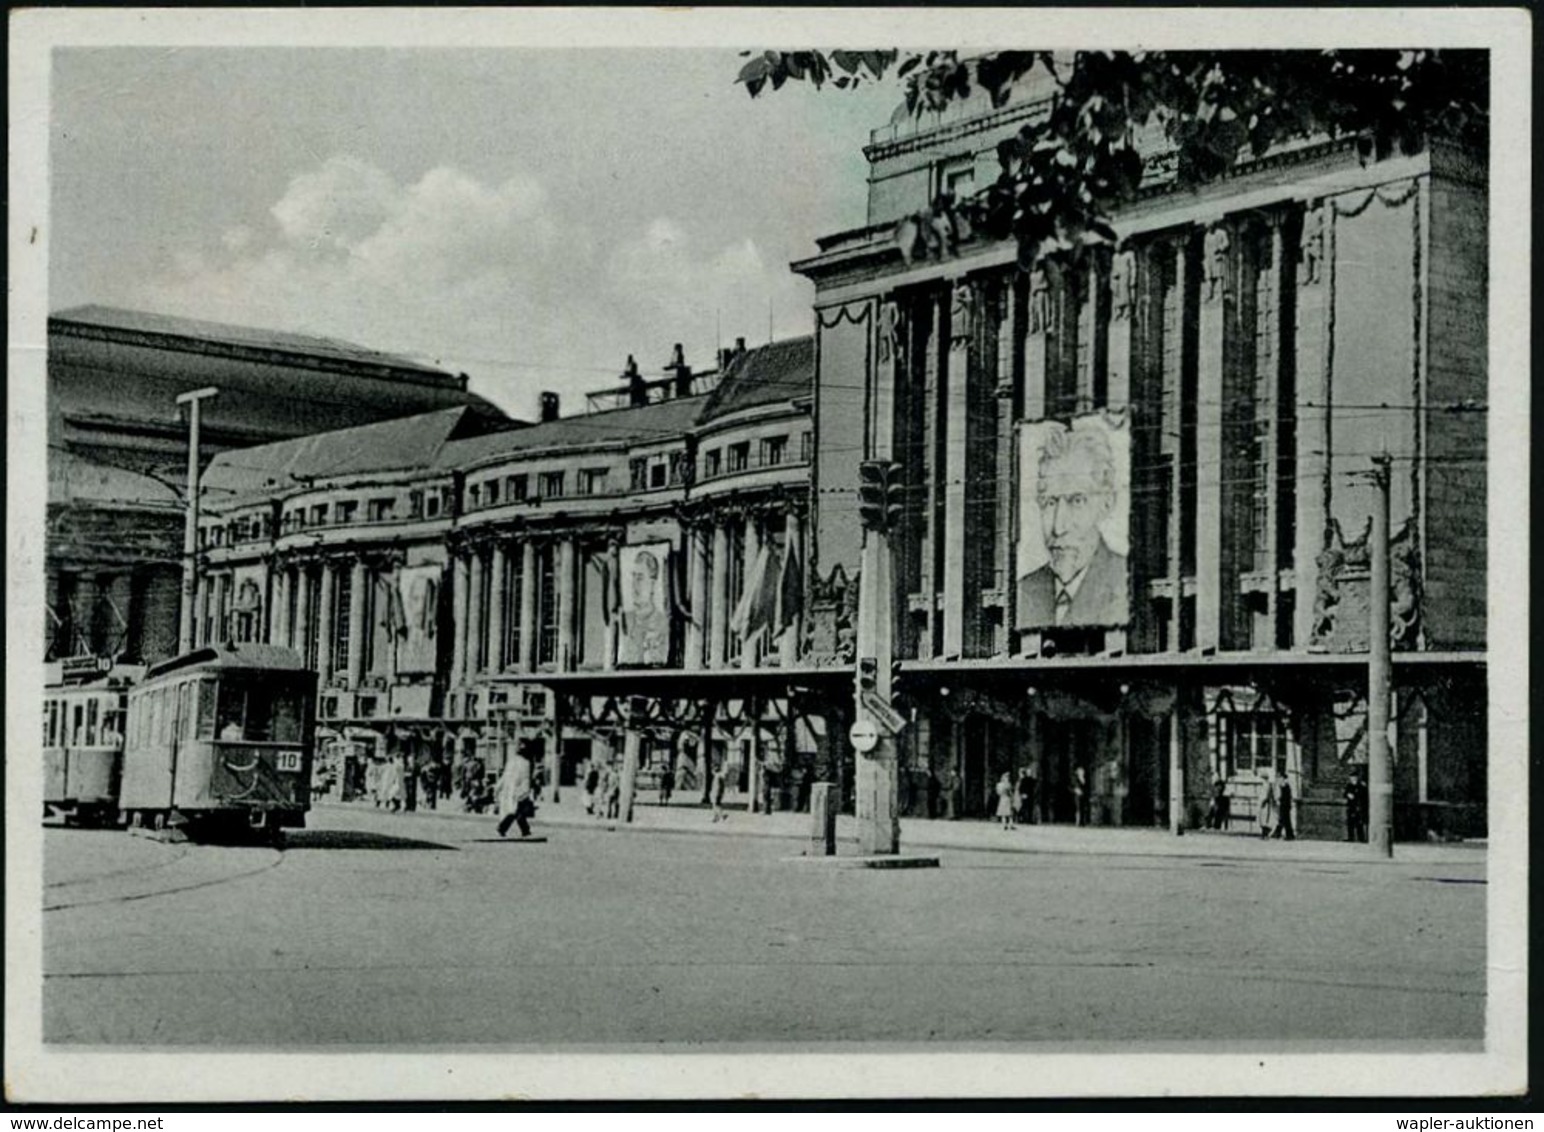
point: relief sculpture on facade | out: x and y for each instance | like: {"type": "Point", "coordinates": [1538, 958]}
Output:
{"type": "Point", "coordinates": [1039, 302]}
{"type": "Point", "coordinates": [1215, 265]}
{"type": "Point", "coordinates": [962, 314]}
{"type": "Point", "coordinates": [1311, 247]}
{"type": "Point", "coordinates": [1123, 269]}
{"type": "Point", "coordinates": [889, 332]}
{"type": "Point", "coordinates": [1341, 603]}
{"type": "Point", "coordinates": [831, 621]}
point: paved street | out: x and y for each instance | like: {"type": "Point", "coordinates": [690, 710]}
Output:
{"type": "Point", "coordinates": [427, 929]}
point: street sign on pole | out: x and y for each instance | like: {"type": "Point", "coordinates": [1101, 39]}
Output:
{"type": "Point", "coordinates": [864, 736]}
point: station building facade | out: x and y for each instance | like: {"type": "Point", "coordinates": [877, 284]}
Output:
{"type": "Point", "coordinates": [117, 450]}
{"type": "Point", "coordinates": [1136, 507]}
{"type": "Point", "coordinates": [464, 594]}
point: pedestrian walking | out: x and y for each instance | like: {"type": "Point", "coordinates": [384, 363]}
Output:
{"type": "Point", "coordinates": [1266, 814]}
{"type": "Point", "coordinates": [1080, 796]}
{"type": "Point", "coordinates": [716, 793]}
{"type": "Point", "coordinates": [514, 796]}
{"type": "Point", "coordinates": [1284, 828]}
{"type": "Point", "coordinates": [1005, 800]}
{"type": "Point", "coordinates": [666, 785]}
{"type": "Point", "coordinates": [591, 785]}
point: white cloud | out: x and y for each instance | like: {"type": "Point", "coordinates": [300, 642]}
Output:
{"type": "Point", "coordinates": [492, 278]}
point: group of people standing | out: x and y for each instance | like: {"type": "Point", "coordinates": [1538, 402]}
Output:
{"type": "Point", "coordinates": [1016, 798]}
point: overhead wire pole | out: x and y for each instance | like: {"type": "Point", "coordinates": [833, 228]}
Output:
{"type": "Point", "coordinates": [190, 530]}
{"type": "Point", "coordinates": [1380, 768]}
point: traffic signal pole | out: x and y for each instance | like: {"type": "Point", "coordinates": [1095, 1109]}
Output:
{"type": "Point", "coordinates": [878, 775]}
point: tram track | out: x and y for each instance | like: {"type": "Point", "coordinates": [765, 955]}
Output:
{"type": "Point", "coordinates": [180, 851]}
{"type": "Point", "coordinates": [274, 858]}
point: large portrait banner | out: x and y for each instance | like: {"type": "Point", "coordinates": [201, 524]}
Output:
{"type": "Point", "coordinates": [644, 636]}
{"type": "Point", "coordinates": [1074, 523]}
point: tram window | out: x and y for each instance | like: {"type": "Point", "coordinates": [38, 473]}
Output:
{"type": "Point", "coordinates": [112, 728]}
{"type": "Point", "coordinates": [78, 726]}
{"type": "Point", "coordinates": [91, 722]}
{"type": "Point", "coordinates": [260, 713]}
{"type": "Point", "coordinates": [206, 701]}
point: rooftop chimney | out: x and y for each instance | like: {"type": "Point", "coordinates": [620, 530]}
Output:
{"type": "Point", "coordinates": [682, 371]}
{"type": "Point", "coordinates": [549, 407]}
{"type": "Point", "coordinates": [739, 345]}
{"type": "Point", "coordinates": [637, 391]}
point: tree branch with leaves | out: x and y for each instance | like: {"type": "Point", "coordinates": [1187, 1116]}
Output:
{"type": "Point", "coordinates": [1088, 147]}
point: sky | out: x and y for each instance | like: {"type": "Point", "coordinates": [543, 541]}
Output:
{"type": "Point", "coordinates": [527, 216]}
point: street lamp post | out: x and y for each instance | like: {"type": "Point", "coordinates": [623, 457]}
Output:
{"type": "Point", "coordinates": [190, 531]}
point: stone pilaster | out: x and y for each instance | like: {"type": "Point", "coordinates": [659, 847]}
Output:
{"type": "Point", "coordinates": [1217, 300]}
{"type": "Point", "coordinates": [528, 606]}
{"type": "Point", "coordinates": [697, 591]}
{"type": "Point", "coordinates": [964, 302]}
{"type": "Point", "coordinates": [356, 624]}
{"type": "Point", "coordinates": [1315, 299]}
{"type": "Point", "coordinates": [475, 597]}
{"type": "Point", "coordinates": [718, 614]}
{"type": "Point", "coordinates": [566, 603]}
{"type": "Point", "coordinates": [498, 596]}
{"type": "Point", "coordinates": [324, 620]}
{"type": "Point", "coordinates": [459, 633]}
{"type": "Point", "coordinates": [1123, 301]}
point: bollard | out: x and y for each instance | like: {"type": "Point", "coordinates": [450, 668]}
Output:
{"type": "Point", "coordinates": [822, 820]}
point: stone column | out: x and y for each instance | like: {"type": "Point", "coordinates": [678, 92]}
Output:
{"type": "Point", "coordinates": [956, 380]}
{"type": "Point", "coordinates": [278, 606]}
{"type": "Point", "coordinates": [300, 632]}
{"type": "Point", "coordinates": [752, 552]}
{"type": "Point", "coordinates": [1217, 299]}
{"type": "Point", "coordinates": [356, 624]}
{"type": "Point", "coordinates": [460, 580]}
{"type": "Point", "coordinates": [566, 594]}
{"type": "Point", "coordinates": [388, 626]}
{"type": "Point", "coordinates": [1173, 416]}
{"type": "Point", "coordinates": [1315, 301]}
{"type": "Point", "coordinates": [1037, 329]}
{"type": "Point", "coordinates": [324, 616]}
{"type": "Point", "coordinates": [614, 612]}
{"type": "Point", "coordinates": [497, 592]}
{"type": "Point", "coordinates": [528, 606]}
{"type": "Point", "coordinates": [718, 614]}
{"type": "Point", "coordinates": [474, 614]}
{"type": "Point", "coordinates": [697, 591]}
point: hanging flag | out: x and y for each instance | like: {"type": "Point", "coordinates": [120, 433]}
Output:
{"type": "Point", "coordinates": [758, 604]}
{"type": "Point", "coordinates": [790, 591]}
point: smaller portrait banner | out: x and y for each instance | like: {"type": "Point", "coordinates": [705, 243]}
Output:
{"type": "Point", "coordinates": [1074, 522]}
{"type": "Point", "coordinates": [644, 637]}
{"type": "Point", "coordinates": [415, 614]}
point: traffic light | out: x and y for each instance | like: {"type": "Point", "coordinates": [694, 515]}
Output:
{"type": "Point", "coordinates": [868, 673]}
{"type": "Point", "coordinates": [873, 484]}
{"type": "Point", "coordinates": [895, 499]}
{"type": "Point", "coordinates": [881, 495]}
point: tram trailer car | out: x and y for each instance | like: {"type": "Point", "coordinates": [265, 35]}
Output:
{"type": "Point", "coordinates": [84, 701]}
{"type": "Point", "coordinates": [221, 737]}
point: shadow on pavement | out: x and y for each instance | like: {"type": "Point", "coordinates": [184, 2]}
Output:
{"type": "Point", "coordinates": [353, 839]}
{"type": "Point", "coordinates": [508, 840]}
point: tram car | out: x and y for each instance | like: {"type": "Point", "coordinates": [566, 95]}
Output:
{"type": "Point", "coordinates": [84, 700]}
{"type": "Point", "coordinates": [221, 738]}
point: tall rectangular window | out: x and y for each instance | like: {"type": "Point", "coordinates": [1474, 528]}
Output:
{"type": "Point", "coordinates": [552, 485]}
{"type": "Point", "coordinates": [514, 577]}
{"type": "Point", "coordinates": [342, 596]}
{"type": "Point", "coordinates": [546, 604]}
{"type": "Point", "coordinates": [372, 606]}
{"type": "Point", "coordinates": [485, 586]}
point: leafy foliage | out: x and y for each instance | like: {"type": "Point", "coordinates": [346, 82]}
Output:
{"type": "Point", "coordinates": [1087, 151]}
